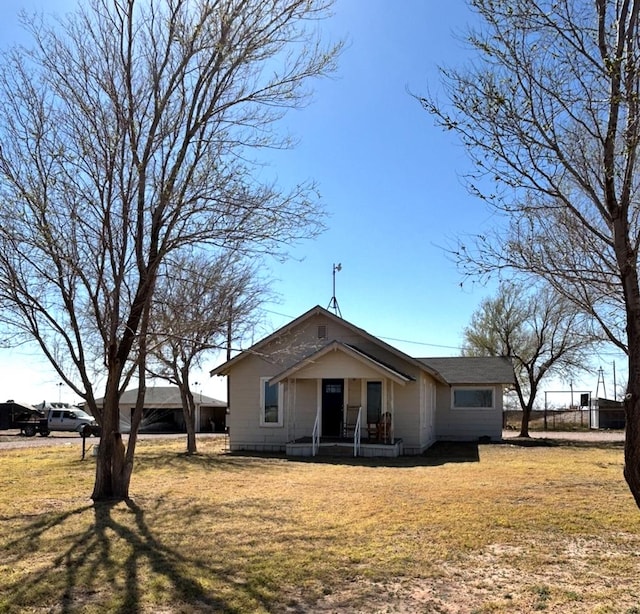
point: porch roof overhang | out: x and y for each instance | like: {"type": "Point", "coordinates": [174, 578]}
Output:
{"type": "Point", "coordinates": [349, 350]}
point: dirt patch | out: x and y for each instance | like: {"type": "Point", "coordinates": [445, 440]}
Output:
{"type": "Point", "coordinates": [492, 581]}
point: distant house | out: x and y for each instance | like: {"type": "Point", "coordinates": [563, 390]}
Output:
{"type": "Point", "coordinates": [320, 380]}
{"type": "Point", "coordinates": [163, 411]}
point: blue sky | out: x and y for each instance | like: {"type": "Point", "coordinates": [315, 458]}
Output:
{"type": "Point", "coordinates": [390, 181]}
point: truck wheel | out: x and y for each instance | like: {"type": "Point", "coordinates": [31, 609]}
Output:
{"type": "Point", "coordinates": [29, 430]}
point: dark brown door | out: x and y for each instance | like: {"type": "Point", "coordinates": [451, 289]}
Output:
{"type": "Point", "coordinates": [332, 404]}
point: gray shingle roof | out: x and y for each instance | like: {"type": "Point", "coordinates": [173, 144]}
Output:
{"type": "Point", "coordinates": [165, 395]}
{"type": "Point", "coordinates": [472, 370]}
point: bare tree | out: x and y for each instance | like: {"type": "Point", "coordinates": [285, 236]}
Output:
{"type": "Point", "coordinates": [541, 331]}
{"type": "Point", "coordinates": [203, 303]}
{"type": "Point", "coordinates": [128, 132]}
{"type": "Point", "coordinates": [549, 112]}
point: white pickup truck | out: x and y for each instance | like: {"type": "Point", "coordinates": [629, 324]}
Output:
{"type": "Point", "coordinates": [45, 418]}
{"type": "Point", "coordinates": [72, 419]}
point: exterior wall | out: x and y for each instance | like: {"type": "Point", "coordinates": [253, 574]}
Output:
{"type": "Point", "coordinates": [337, 365]}
{"type": "Point", "coordinates": [467, 424]}
{"type": "Point", "coordinates": [414, 416]}
{"type": "Point", "coordinates": [354, 393]}
{"type": "Point", "coordinates": [406, 415]}
{"type": "Point", "coordinates": [245, 432]}
{"type": "Point", "coordinates": [301, 403]}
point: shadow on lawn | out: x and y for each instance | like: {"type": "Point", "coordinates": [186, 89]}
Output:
{"type": "Point", "coordinates": [94, 568]}
{"type": "Point", "coordinates": [441, 453]}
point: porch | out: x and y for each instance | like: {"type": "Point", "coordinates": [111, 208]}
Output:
{"type": "Point", "coordinates": [338, 401]}
{"type": "Point", "coordinates": [353, 439]}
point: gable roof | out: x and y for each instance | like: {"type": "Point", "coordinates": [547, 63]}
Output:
{"type": "Point", "coordinates": [164, 395]}
{"type": "Point", "coordinates": [353, 352]}
{"type": "Point", "coordinates": [473, 369]}
{"type": "Point", "coordinates": [223, 369]}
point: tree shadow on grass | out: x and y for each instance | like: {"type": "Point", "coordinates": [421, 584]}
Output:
{"type": "Point", "coordinates": [227, 462]}
{"type": "Point", "coordinates": [106, 565]}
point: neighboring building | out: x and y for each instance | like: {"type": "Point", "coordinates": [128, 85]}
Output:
{"type": "Point", "coordinates": [312, 377]}
{"type": "Point", "coordinates": [163, 411]}
{"type": "Point", "coordinates": [608, 414]}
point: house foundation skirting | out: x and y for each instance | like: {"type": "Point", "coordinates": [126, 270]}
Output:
{"type": "Point", "coordinates": [345, 448]}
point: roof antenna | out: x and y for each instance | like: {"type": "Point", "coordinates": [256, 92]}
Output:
{"type": "Point", "coordinates": [333, 303]}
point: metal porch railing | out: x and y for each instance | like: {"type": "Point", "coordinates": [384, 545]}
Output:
{"type": "Point", "coordinates": [356, 433]}
{"type": "Point", "coordinates": [315, 436]}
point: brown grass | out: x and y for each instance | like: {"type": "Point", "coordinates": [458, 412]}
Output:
{"type": "Point", "coordinates": [490, 528]}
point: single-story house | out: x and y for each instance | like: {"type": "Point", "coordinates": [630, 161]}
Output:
{"type": "Point", "coordinates": [163, 411]}
{"type": "Point", "coordinates": [321, 380]}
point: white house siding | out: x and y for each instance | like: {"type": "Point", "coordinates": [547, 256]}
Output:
{"type": "Point", "coordinates": [467, 424]}
{"type": "Point", "coordinates": [337, 365]}
{"type": "Point", "coordinates": [414, 417]}
{"type": "Point", "coordinates": [301, 404]}
{"type": "Point", "coordinates": [427, 412]}
{"type": "Point", "coordinates": [244, 409]}
{"type": "Point", "coordinates": [354, 392]}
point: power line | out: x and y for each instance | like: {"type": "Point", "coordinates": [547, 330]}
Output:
{"type": "Point", "coordinates": [424, 343]}
{"type": "Point", "coordinates": [433, 345]}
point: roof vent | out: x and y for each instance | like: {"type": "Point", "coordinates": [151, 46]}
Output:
{"type": "Point", "coordinates": [322, 331]}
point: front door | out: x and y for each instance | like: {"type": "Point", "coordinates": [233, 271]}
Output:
{"type": "Point", "coordinates": [332, 404]}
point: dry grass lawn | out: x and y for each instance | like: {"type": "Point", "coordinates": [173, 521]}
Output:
{"type": "Point", "coordinates": [465, 529]}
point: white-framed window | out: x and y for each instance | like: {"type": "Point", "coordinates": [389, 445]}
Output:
{"type": "Point", "coordinates": [472, 398]}
{"type": "Point", "coordinates": [270, 403]}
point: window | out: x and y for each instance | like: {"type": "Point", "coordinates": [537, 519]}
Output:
{"type": "Point", "coordinates": [472, 398]}
{"type": "Point", "coordinates": [270, 412]}
{"type": "Point", "coordinates": [322, 331]}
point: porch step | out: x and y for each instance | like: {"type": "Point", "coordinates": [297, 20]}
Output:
{"type": "Point", "coordinates": [335, 449]}
{"type": "Point", "coordinates": [303, 447]}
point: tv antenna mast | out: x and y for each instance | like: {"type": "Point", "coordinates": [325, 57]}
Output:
{"type": "Point", "coordinates": [333, 303]}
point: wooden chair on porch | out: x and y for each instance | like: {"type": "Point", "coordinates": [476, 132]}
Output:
{"type": "Point", "coordinates": [380, 431]}
{"type": "Point", "coordinates": [350, 420]}
{"type": "Point", "coordinates": [384, 428]}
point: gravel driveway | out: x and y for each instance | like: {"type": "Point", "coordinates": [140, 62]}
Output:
{"type": "Point", "coordinates": [13, 439]}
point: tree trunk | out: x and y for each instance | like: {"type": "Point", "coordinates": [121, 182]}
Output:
{"type": "Point", "coordinates": [190, 422]}
{"type": "Point", "coordinates": [112, 478]}
{"type": "Point", "coordinates": [191, 435]}
{"type": "Point", "coordinates": [632, 411]}
{"type": "Point", "coordinates": [527, 405]}
{"type": "Point", "coordinates": [626, 257]}
{"type": "Point", "coordinates": [524, 425]}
